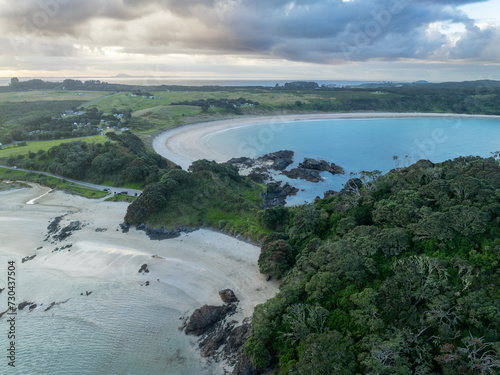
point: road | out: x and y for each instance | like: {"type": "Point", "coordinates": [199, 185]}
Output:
{"type": "Point", "coordinates": [112, 190]}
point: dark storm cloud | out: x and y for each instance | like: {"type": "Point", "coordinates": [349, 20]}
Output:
{"type": "Point", "coordinates": [303, 30]}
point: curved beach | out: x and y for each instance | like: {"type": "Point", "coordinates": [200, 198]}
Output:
{"type": "Point", "coordinates": [185, 144]}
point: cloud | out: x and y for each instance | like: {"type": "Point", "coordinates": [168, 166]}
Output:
{"type": "Point", "coordinates": [317, 31]}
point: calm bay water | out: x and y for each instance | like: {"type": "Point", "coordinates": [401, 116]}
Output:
{"type": "Point", "coordinates": [361, 144]}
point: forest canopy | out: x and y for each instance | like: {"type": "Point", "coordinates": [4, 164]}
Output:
{"type": "Point", "coordinates": [399, 275]}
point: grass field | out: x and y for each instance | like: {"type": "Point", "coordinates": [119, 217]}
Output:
{"type": "Point", "coordinates": [34, 146]}
{"type": "Point", "coordinates": [38, 95]}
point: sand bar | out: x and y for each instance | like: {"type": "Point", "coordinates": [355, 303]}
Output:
{"type": "Point", "coordinates": [185, 144]}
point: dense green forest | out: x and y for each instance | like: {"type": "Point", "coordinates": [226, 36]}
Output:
{"type": "Point", "coordinates": [123, 160]}
{"type": "Point", "coordinates": [396, 274]}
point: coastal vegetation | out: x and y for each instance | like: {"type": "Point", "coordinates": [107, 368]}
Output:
{"type": "Point", "coordinates": [121, 161]}
{"type": "Point", "coordinates": [397, 275]}
{"type": "Point", "coordinates": [210, 194]}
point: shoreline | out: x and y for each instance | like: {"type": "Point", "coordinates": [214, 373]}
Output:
{"type": "Point", "coordinates": [184, 273]}
{"type": "Point", "coordinates": [187, 143]}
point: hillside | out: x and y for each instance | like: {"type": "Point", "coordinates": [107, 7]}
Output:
{"type": "Point", "coordinates": [394, 275]}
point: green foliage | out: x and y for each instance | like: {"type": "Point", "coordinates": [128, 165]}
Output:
{"type": "Point", "coordinates": [210, 194]}
{"type": "Point", "coordinates": [273, 218]}
{"type": "Point", "coordinates": [275, 258]}
{"type": "Point", "coordinates": [125, 160]}
{"type": "Point", "coordinates": [396, 274]}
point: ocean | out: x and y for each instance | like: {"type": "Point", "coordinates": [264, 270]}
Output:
{"type": "Point", "coordinates": [361, 144]}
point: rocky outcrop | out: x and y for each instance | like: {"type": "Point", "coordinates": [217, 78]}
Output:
{"type": "Point", "coordinates": [206, 317]}
{"type": "Point", "coordinates": [309, 170]}
{"type": "Point", "coordinates": [28, 258]}
{"type": "Point", "coordinates": [144, 269]}
{"type": "Point", "coordinates": [244, 366]}
{"type": "Point", "coordinates": [22, 305]}
{"type": "Point", "coordinates": [222, 339]}
{"type": "Point", "coordinates": [57, 234]}
{"type": "Point", "coordinates": [161, 233]}
{"type": "Point", "coordinates": [259, 169]}
{"type": "Point", "coordinates": [280, 160]}
{"type": "Point", "coordinates": [276, 195]}
{"type": "Point", "coordinates": [321, 165]}
{"type": "Point", "coordinates": [228, 296]}
{"type": "Point", "coordinates": [304, 174]}
{"type": "Point", "coordinates": [124, 227]}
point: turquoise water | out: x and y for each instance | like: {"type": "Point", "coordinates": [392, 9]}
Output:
{"type": "Point", "coordinates": [362, 144]}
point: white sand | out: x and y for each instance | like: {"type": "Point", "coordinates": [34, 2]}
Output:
{"type": "Point", "coordinates": [186, 144]}
{"type": "Point", "coordinates": [191, 268]}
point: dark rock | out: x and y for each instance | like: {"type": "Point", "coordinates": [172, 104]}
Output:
{"type": "Point", "coordinates": [280, 159]}
{"type": "Point", "coordinates": [22, 305]}
{"type": "Point", "coordinates": [63, 248]}
{"type": "Point", "coordinates": [268, 278]}
{"type": "Point", "coordinates": [144, 269]}
{"type": "Point", "coordinates": [124, 227]}
{"type": "Point", "coordinates": [2, 313]}
{"type": "Point", "coordinates": [161, 233]}
{"type": "Point", "coordinates": [28, 258]}
{"type": "Point", "coordinates": [87, 293]}
{"type": "Point", "coordinates": [275, 195]}
{"type": "Point", "coordinates": [228, 296]}
{"type": "Point", "coordinates": [244, 366]}
{"type": "Point", "coordinates": [54, 225]}
{"type": "Point", "coordinates": [100, 230]}
{"type": "Point", "coordinates": [309, 170]}
{"type": "Point", "coordinates": [59, 234]}
{"type": "Point", "coordinates": [56, 304]}
{"type": "Point", "coordinates": [238, 338]}
{"type": "Point", "coordinates": [321, 165]}
{"type": "Point", "coordinates": [260, 167]}
{"type": "Point", "coordinates": [33, 306]}
{"type": "Point", "coordinates": [206, 317]}
{"type": "Point", "coordinates": [212, 343]}
{"type": "Point", "coordinates": [258, 177]}
{"type": "Point", "coordinates": [244, 161]}
{"type": "Point", "coordinates": [311, 175]}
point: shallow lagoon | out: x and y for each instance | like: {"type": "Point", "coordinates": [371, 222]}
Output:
{"type": "Point", "coordinates": [361, 144]}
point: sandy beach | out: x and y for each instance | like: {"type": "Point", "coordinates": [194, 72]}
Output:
{"type": "Point", "coordinates": [187, 143]}
{"type": "Point", "coordinates": [185, 273]}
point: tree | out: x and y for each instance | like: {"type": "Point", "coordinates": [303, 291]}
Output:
{"type": "Point", "coordinates": [275, 258]}
{"type": "Point", "coordinates": [329, 353]}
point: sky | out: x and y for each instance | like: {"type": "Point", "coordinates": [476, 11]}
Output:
{"type": "Point", "coordinates": [366, 40]}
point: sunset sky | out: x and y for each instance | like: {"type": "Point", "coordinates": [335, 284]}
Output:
{"type": "Point", "coordinates": [365, 40]}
